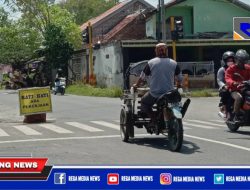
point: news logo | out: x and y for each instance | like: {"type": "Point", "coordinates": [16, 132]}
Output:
{"type": "Point", "coordinates": [218, 179]}
{"type": "Point", "coordinates": [241, 28]}
{"type": "Point", "coordinates": [113, 179]}
{"type": "Point", "coordinates": [165, 179]}
{"type": "Point", "coordinates": [60, 178]}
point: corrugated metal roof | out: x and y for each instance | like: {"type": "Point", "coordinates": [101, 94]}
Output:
{"type": "Point", "coordinates": [105, 14]}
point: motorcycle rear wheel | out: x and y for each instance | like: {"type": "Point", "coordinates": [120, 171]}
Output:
{"type": "Point", "coordinates": [63, 91]}
{"type": "Point", "coordinates": [126, 126]}
{"type": "Point", "coordinates": [175, 134]}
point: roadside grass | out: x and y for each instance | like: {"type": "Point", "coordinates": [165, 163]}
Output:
{"type": "Point", "coordinates": [87, 90]}
{"type": "Point", "coordinates": [202, 93]}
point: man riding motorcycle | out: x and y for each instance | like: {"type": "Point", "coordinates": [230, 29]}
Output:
{"type": "Point", "coordinates": [234, 77]}
{"type": "Point", "coordinates": [59, 76]}
{"type": "Point", "coordinates": [227, 60]}
{"type": "Point", "coordinates": [162, 71]}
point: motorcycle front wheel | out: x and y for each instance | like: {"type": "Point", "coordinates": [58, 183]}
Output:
{"type": "Point", "coordinates": [233, 127]}
{"type": "Point", "coordinates": [175, 134]}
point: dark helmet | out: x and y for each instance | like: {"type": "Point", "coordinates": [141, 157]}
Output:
{"type": "Point", "coordinates": [59, 70]}
{"type": "Point", "coordinates": [226, 56]}
{"type": "Point", "coordinates": [242, 56]}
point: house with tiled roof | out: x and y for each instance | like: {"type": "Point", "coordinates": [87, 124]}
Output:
{"type": "Point", "coordinates": [116, 18]}
{"type": "Point", "coordinates": [125, 21]}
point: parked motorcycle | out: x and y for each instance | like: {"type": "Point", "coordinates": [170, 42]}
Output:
{"type": "Point", "coordinates": [60, 85]}
{"type": "Point", "coordinates": [244, 119]}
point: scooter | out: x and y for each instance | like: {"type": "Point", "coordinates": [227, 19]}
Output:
{"type": "Point", "coordinates": [60, 85]}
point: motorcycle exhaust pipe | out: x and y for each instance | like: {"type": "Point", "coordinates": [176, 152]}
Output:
{"type": "Point", "coordinates": [185, 107]}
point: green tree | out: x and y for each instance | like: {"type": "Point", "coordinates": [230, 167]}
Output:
{"type": "Point", "coordinates": [38, 14]}
{"type": "Point", "coordinates": [57, 50]}
{"type": "Point", "coordinates": [86, 9]}
{"type": "Point", "coordinates": [3, 17]}
{"type": "Point", "coordinates": [17, 42]}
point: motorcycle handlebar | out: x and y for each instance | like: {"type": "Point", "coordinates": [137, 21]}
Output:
{"type": "Point", "coordinates": [246, 83]}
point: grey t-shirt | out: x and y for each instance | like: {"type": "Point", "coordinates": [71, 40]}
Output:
{"type": "Point", "coordinates": [161, 72]}
{"type": "Point", "coordinates": [221, 77]}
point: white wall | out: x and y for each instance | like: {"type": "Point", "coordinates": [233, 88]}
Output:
{"type": "Point", "coordinates": [108, 65]}
{"type": "Point", "coordinates": [151, 27]}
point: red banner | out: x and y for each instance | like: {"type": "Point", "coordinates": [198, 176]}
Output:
{"type": "Point", "coordinates": [22, 165]}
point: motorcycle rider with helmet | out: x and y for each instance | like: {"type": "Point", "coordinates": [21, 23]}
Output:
{"type": "Point", "coordinates": [59, 75]}
{"type": "Point", "coordinates": [235, 75]}
{"type": "Point", "coordinates": [228, 58]}
{"type": "Point", "coordinates": [162, 71]}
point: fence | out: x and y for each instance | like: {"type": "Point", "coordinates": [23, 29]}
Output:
{"type": "Point", "coordinates": [194, 69]}
{"type": "Point", "coordinates": [200, 74]}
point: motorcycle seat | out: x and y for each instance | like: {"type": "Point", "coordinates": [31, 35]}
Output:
{"type": "Point", "coordinates": [172, 96]}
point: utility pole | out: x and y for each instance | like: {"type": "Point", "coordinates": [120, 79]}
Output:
{"type": "Point", "coordinates": [91, 68]}
{"type": "Point", "coordinates": [172, 28]}
{"type": "Point", "coordinates": [87, 36]}
{"type": "Point", "coordinates": [163, 22]}
{"type": "Point", "coordinates": [159, 22]}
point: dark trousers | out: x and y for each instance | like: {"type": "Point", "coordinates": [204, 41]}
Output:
{"type": "Point", "coordinates": [147, 102]}
{"type": "Point", "coordinates": [225, 95]}
{"type": "Point", "coordinates": [226, 99]}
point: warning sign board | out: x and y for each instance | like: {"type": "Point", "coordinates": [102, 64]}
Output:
{"type": "Point", "coordinates": [34, 100]}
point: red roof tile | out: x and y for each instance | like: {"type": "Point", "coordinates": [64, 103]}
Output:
{"type": "Point", "coordinates": [128, 19]}
{"type": "Point", "coordinates": [103, 15]}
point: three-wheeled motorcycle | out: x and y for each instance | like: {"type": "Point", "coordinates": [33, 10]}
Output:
{"type": "Point", "coordinates": [168, 110]}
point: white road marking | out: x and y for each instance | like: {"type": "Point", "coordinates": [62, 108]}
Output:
{"type": "Point", "coordinates": [196, 125]}
{"type": "Point", "coordinates": [118, 136]}
{"type": "Point", "coordinates": [26, 130]}
{"type": "Point", "coordinates": [118, 121]}
{"type": "Point", "coordinates": [68, 138]}
{"type": "Point", "coordinates": [3, 133]}
{"type": "Point", "coordinates": [219, 121]}
{"type": "Point", "coordinates": [218, 142]}
{"type": "Point", "coordinates": [107, 124]}
{"type": "Point", "coordinates": [55, 128]}
{"type": "Point", "coordinates": [83, 127]}
{"type": "Point", "coordinates": [205, 122]}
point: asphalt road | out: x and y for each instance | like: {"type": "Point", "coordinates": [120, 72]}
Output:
{"type": "Point", "coordinates": [85, 130]}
